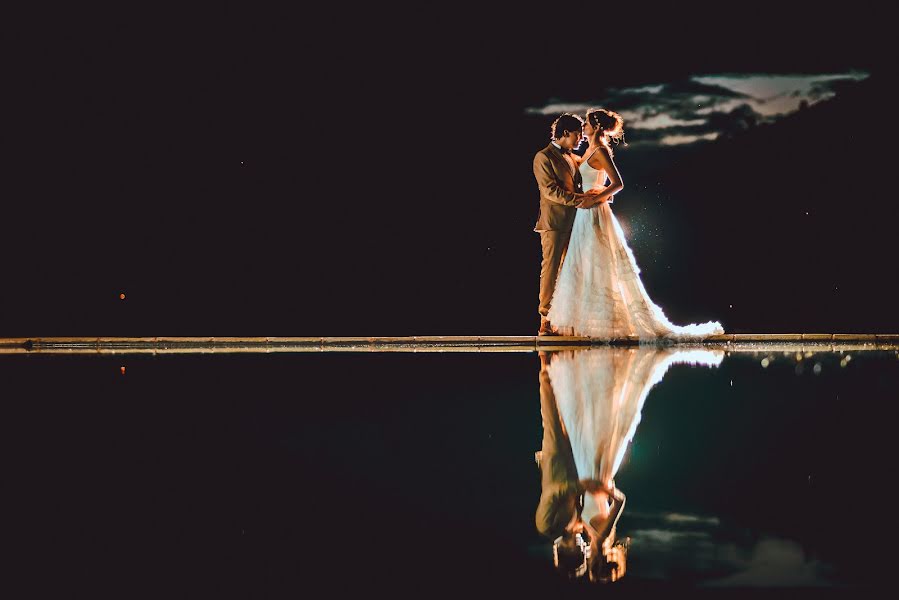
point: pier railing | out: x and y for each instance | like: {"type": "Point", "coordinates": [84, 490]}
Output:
{"type": "Point", "coordinates": [201, 345]}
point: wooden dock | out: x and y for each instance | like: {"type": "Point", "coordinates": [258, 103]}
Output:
{"type": "Point", "coordinates": [745, 342]}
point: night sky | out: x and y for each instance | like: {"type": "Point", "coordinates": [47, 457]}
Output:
{"type": "Point", "coordinates": [368, 171]}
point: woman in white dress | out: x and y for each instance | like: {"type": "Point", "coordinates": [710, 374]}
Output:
{"type": "Point", "coordinates": [598, 292]}
{"type": "Point", "coordinates": [591, 402]}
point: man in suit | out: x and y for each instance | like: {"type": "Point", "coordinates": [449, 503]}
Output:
{"type": "Point", "coordinates": [561, 193]}
{"type": "Point", "coordinates": [560, 505]}
{"type": "Point", "coordinates": [578, 546]}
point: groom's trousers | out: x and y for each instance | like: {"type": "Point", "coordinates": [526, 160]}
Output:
{"type": "Point", "coordinates": [554, 243]}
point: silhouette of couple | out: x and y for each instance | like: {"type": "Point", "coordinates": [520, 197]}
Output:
{"type": "Point", "coordinates": [589, 280]}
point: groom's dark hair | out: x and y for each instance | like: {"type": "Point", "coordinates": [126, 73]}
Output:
{"type": "Point", "coordinates": [565, 122]}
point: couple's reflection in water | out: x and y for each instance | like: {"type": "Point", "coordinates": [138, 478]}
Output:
{"type": "Point", "coordinates": [591, 402]}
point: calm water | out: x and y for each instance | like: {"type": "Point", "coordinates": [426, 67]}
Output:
{"type": "Point", "coordinates": [415, 474]}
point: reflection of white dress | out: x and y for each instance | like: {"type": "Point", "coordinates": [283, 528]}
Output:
{"type": "Point", "coordinates": [598, 291]}
{"type": "Point", "coordinates": [599, 394]}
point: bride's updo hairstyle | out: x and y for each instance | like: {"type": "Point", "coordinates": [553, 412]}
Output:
{"type": "Point", "coordinates": [610, 126]}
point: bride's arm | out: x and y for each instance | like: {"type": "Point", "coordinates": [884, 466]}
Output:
{"type": "Point", "coordinates": [602, 160]}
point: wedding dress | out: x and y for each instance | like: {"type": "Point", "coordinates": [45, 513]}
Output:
{"type": "Point", "coordinates": [600, 394]}
{"type": "Point", "coordinates": [598, 291]}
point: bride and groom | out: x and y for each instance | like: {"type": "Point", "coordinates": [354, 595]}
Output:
{"type": "Point", "coordinates": [591, 403]}
{"type": "Point", "coordinates": [589, 279]}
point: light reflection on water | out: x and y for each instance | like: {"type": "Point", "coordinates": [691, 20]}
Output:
{"type": "Point", "coordinates": [240, 472]}
{"type": "Point", "coordinates": [591, 406]}
{"type": "Point", "coordinates": [591, 403]}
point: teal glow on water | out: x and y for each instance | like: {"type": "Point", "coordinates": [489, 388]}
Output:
{"type": "Point", "coordinates": [367, 472]}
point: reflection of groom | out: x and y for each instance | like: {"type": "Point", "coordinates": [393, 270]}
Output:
{"type": "Point", "coordinates": [561, 192]}
{"type": "Point", "coordinates": [563, 489]}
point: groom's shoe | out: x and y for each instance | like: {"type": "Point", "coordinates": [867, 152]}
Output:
{"type": "Point", "coordinates": [546, 328]}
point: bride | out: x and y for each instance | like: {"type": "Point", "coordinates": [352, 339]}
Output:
{"type": "Point", "coordinates": [598, 292]}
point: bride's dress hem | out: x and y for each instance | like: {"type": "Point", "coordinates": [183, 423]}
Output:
{"type": "Point", "coordinates": [658, 340]}
{"type": "Point", "coordinates": [598, 292]}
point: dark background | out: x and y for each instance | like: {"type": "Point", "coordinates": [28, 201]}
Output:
{"type": "Point", "coordinates": [267, 476]}
{"type": "Point", "coordinates": [368, 171]}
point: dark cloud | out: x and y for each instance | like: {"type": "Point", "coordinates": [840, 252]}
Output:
{"type": "Point", "coordinates": [714, 124]}
{"type": "Point", "coordinates": [829, 87]}
{"type": "Point", "coordinates": [678, 99]}
{"type": "Point", "coordinates": [707, 107]}
{"type": "Point", "coordinates": [689, 87]}
{"type": "Point", "coordinates": [739, 119]}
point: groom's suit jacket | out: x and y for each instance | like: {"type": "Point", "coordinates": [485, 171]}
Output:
{"type": "Point", "coordinates": [560, 187]}
{"type": "Point", "coordinates": [560, 489]}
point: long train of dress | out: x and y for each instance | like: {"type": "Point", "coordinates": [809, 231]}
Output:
{"type": "Point", "coordinates": [598, 291]}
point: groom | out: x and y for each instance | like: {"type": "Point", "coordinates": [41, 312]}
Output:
{"type": "Point", "coordinates": [561, 191]}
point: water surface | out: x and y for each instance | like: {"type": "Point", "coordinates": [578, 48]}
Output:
{"type": "Point", "coordinates": [415, 474]}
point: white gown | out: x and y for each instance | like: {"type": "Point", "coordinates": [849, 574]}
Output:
{"type": "Point", "coordinates": [598, 291]}
{"type": "Point", "coordinates": [600, 394]}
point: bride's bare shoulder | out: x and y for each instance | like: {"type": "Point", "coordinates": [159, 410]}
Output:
{"type": "Point", "coordinates": [601, 158]}
{"type": "Point", "coordinates": [582, 159]}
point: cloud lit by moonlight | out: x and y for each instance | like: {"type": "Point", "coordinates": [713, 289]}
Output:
{"type": "Point", "coordinates": [704, 107]}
